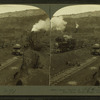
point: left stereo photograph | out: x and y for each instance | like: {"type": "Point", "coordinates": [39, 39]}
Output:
{"type": "Point", "coordinates": [24, 45]}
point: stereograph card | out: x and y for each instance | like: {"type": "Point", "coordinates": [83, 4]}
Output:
{"type": "Point", "coordinates": [49, 49]}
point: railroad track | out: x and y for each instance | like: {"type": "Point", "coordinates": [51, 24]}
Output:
{"type": "Point", "coordinates": [66, 73]}
{"type": "Point", "coordinates": [8, 62]}
{"type": "Point", "coordinates": [53, 50]}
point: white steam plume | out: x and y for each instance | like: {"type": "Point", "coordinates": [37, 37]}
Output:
{"type": "Point", "coordinates": [58, 23]}
{"type": "Point", "coordinates": [42, 25]}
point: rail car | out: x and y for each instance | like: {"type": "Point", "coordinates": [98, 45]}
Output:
{"type": "Point", "coordinates": [17, 50]}
{"type": "Point", "coordinates": [96, 49]}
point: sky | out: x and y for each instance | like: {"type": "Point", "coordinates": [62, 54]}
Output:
{"type": "Point", "coordinates": [77, 9]}
{"type": "Point", "coordinates": [12, 8]}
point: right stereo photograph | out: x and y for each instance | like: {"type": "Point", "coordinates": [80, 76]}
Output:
{"type": "Point", "coordinates": [75, 46]}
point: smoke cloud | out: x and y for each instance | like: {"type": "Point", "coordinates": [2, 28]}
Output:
{"type": "Point", "coordinates": [58, 23]}
{"type": "Point", "coordinates": [42, 25]}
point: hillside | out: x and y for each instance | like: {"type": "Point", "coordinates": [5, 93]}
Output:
{"type": "Point", "coordinates": [89, 25]}
{"type": "Point", "coordinates": [24, 13]}
{"type": "Point", "coordinates": [86, 14]}
{"type": "Point", "coordinates": [15, 24]}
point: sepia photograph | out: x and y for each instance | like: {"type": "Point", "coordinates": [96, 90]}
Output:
{"type": "Point", "coordinates": [24, 45]}
{"type": "Point", "coordinates": [75, 46]}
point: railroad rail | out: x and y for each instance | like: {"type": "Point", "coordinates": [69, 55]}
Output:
{"type": "Point", "coordinates": [66, 73]}
{"type": "Point", "coordinates": [8, 62]}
